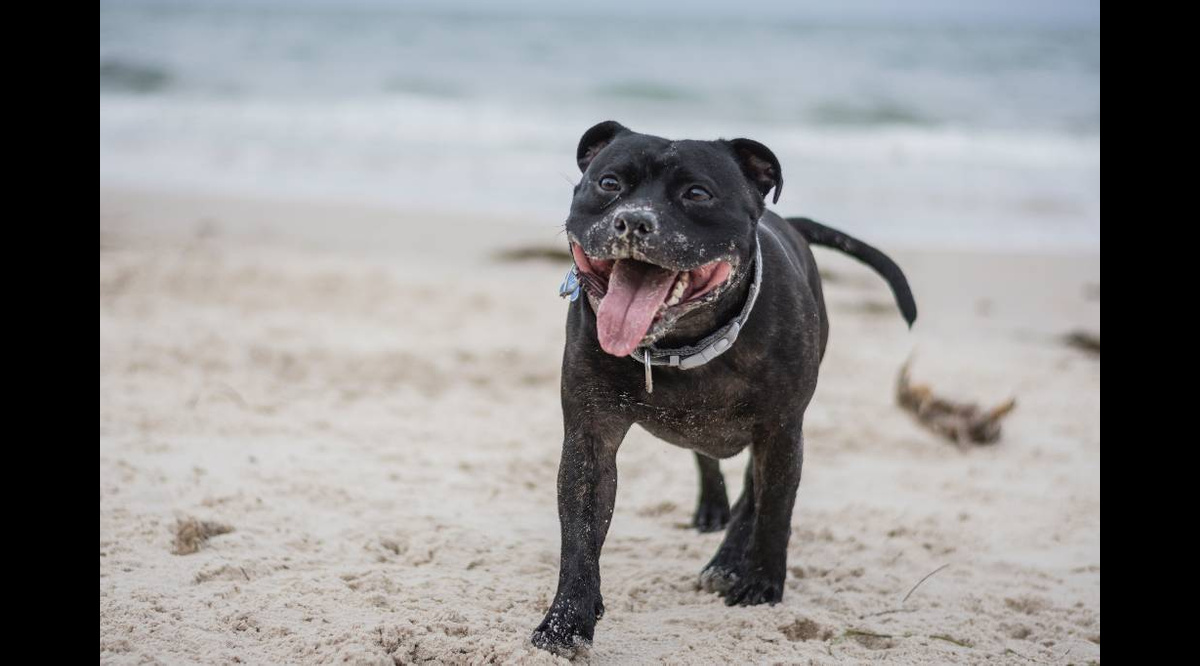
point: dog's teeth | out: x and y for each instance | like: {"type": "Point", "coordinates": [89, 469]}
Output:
{"type": "Point", "coordinates": [677, 291]}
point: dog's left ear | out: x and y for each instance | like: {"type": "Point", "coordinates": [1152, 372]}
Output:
{"type": "Point", "coordinates": [595, 139]}
{"type": "Point", "coordinates": [759, 164]}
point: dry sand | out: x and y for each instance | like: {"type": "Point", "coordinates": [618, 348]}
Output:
{"type": "Point", "coordinates": [370, 402]}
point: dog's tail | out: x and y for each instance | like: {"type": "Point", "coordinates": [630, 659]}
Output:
{"type": "Point", "coordinates": [819, 234]}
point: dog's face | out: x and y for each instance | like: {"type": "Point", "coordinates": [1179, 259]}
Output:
{"type": "Point", "coordinates": [660, 229]}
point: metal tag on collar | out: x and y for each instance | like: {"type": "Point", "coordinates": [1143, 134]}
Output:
{"type": "Point", "coordinates": [649, 371]}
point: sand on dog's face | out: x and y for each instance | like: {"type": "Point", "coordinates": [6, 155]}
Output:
{"type": "Point", "coordinates": [382, 435]}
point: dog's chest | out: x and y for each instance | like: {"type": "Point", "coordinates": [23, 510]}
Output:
{"type": "Point", "coordinates": [714, 422]}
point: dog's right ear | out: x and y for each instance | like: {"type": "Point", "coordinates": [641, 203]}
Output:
{"type": "Point", "coordinates": [595, 139]}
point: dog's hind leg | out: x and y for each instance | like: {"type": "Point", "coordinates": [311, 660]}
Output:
{"type": "Point", "coordinates": [712, 512]}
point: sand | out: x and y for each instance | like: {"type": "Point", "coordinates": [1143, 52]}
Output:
{"type": "Point", "coordinates": [369, 400]}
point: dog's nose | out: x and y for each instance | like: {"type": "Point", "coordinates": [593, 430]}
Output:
{"type": "Point", "coordinates": [634, 223]}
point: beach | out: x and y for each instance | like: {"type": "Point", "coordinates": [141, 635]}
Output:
{"type": "Point", "coordinates": [365, 401]}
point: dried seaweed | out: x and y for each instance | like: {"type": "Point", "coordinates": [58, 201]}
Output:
{"type": "Point", "coordinates": [963, 423]}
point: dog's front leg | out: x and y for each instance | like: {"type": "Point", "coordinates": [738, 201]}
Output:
{"type": "Point", "coordinates": [587, 490]}
{"type": "Point", "coordinates": [751, 564]}
{"type": "Point", "coordinates": [777, 457]}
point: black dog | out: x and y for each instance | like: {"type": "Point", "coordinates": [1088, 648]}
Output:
{"type": "Point", "coordinates": [703, 322]}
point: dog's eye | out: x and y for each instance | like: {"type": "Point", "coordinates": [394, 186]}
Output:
{"type": "Point", "coordinates": [697, 194]}
{"type": "Point", "coordinates": [609, 183]}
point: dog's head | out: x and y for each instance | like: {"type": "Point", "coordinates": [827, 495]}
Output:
{"type": "Point", "coordinates": [660, 229]}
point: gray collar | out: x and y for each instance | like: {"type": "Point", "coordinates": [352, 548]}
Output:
{"type": "Point", "coordinates": [713, 345]}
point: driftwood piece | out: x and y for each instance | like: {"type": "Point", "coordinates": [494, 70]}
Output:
{"type": "Point", "coordinates": [963, 423]}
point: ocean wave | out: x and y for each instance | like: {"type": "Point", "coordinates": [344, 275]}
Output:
{"type": "Point", "coordinates": [739, 71]}
{"type": "Point", "coordinates": [127, 76]}
{"type": "Point", "coordinates": [987, 188]}
{"type": "Point", "coordinates": [424, 87]}
{"type": "Point", "coordinates": [649, 91]}
{"type": "Point", "coordinates": [868, 113]}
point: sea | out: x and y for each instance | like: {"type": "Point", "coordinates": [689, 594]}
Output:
{"type": "Point", "coordinates": [921, 133]}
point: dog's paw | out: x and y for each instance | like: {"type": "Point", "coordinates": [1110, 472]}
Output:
{"type": "Point", "coordinates": [752, 590]}
{"type": "Point", "coordinates": [711, 516]}
{"type": "Point", "coordinates": [566, 632]}
{"type": "Point", "coordinates": [718, 578]}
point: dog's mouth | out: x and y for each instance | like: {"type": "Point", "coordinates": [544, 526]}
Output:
{"type": "Point", "coordinates": [636, 295]}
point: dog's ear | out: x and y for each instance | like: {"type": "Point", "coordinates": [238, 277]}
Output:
{"type": "Point", "coordinates": [759, 164]}
{"type": "Point", "coordinates": [595, 139]}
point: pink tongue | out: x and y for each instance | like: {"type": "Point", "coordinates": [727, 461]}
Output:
{"type": "Point", "coordinates": [635, 290]}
